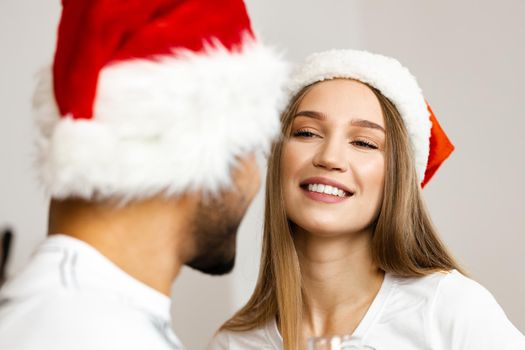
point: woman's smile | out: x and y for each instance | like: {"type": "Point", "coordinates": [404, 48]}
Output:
{"type": "Point", "coordinates": [325, 190]}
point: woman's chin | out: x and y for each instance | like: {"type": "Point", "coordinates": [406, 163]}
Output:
{"type": "Point", "coordinates": [331, 229]}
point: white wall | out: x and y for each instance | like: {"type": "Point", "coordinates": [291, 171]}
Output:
{"type": "Point", "coordinates": [27, 35]}
{"type": "Point", "coordinates": [468, 57]}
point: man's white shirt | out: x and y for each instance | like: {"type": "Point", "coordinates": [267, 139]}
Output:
{"type": "Point", "coordinates": [70, 296]}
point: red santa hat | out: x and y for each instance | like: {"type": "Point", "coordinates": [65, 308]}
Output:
{"type": "Point", "coordinates": [153, 96]}
{"type": "Point", "coordinates": [430, 145]}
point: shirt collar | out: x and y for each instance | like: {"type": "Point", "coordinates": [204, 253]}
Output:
{"type": "Point", "coordinates": [91, 272]}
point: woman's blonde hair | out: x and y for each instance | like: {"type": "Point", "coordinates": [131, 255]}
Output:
{"type": "Point", "coordinates": [404, 241]}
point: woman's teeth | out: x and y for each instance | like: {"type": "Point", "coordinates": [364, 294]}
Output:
{"type": "Point", "coordinates": [326, 189]}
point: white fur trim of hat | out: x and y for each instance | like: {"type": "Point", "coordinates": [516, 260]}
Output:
{"type": "Point", "coordinates": [166, 126]}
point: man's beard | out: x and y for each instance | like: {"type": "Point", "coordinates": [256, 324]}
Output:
{"type": "Point", "coordinates": [215, 228]}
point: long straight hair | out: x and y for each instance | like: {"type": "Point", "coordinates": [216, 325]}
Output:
{"type": "Point", "coordinates": [404, 241]}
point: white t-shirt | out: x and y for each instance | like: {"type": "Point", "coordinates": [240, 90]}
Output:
{"type": "Point", "coordinates": [69, 296]}
{"type": "Point", "coordinates": [442, 311]}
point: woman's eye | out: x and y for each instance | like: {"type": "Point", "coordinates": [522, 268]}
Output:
{"type": "Point", "coordinates": [304, 133]}
{"type": "Point", "coordinates": [364, 144]}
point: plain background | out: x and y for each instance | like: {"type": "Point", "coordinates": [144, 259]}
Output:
{"type": "Point", "coordinates": [469, 59]}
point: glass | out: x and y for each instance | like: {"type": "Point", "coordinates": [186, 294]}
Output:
{"type": "Point", "coordinates": [346, 342]}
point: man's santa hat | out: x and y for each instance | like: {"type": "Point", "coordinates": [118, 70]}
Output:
{"type": "Point", "coordinates": [430, 145]}
{"type": "Point", "coordinates": [153, 96]}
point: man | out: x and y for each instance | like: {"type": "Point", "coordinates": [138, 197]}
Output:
{"type": "Point", "coordinates": [148, 124]}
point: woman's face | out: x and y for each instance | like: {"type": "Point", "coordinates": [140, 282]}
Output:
{"type": "Point", "coordinates": [333, 161]}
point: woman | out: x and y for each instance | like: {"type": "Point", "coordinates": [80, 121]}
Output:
{"type": "Point", "coordinates": [348, 245]}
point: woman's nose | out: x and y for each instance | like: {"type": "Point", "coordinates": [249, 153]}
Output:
{"type": "Point", "coordinates": [331, 156]}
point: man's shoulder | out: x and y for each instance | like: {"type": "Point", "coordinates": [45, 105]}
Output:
{"type": "Point", "coordinates": [75, 320]}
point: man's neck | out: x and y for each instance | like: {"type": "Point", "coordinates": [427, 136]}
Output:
{"type": "Point", "coordinates": [147, 239]}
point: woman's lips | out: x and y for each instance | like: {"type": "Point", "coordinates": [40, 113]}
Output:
{"type": "Point", "coordinates": [323, 197]}
{"type": "Point", "coordinates": [325, 190]}
{"type": "Point", "coordinates": [326, 181]}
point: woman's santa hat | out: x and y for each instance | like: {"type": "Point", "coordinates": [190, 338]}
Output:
{"type": "Point", "coordinates": [429, 142]}
{"type": "Point", "coordinates": [153, 96]}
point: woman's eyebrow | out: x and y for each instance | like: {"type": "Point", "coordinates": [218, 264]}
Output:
{"type": "Point", "coordinates": [311, 114]}
{"type": "Point", "coordinates": [366, 124]}
{"type": "Point", "coordinates": [363, 123]}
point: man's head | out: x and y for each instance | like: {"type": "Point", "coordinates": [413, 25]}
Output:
{"type": "Point", "coordinates": [159, 107]}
